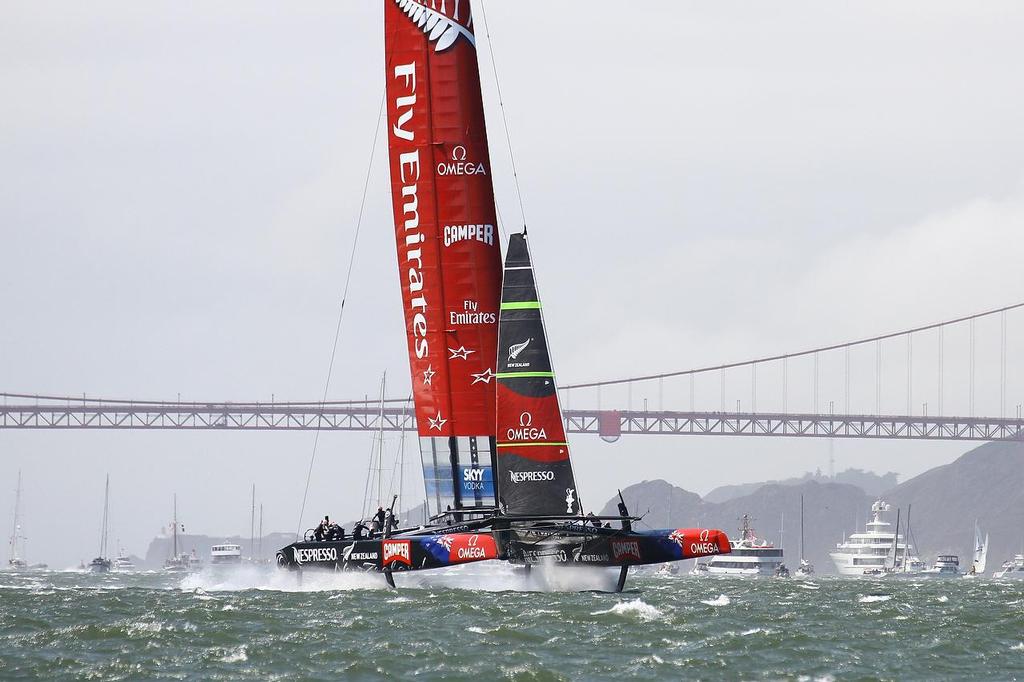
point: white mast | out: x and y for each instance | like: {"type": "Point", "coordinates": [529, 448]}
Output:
{"type": "Point", "coordinates": [252, 525]}
{"type": "Point", "coordinates": [103, 530]}
{"type": "Point", "coordinates": [16, 532]}
{"type": "Point", "coordinates": [175, 532]}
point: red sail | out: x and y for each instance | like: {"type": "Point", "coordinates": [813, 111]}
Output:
{"type": "Point", "coordinates": [448, 252]}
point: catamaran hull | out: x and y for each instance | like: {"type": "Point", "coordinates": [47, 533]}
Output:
{"type": "Point", "coordinates": [569, 546]}
{"type": "Point", "coordinates": [391, 554]}
{"type": "Point", "coordinates": [606, 547]}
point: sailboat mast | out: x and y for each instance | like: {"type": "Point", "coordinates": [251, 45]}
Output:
{"type": "Point", "coordinates": [896, 540]}
{"type": "Point", "coordinates": [103, 530]}
{"type": "Point", "coordinates": [17, 521]}
{"type": "Point", "coordinates": [906, 543]}
{"type": "Point", "coordinates": [259, 555]}
{"type": "Point", "coordinates": [252, 524]}
{"type": "Point", "coordinates": [175, 532]}
{"type": "Point", "coordinates": [782, 530]}
{"type": "Point", "coordinates": [380, 440]}
{"type": "Point", "coordinates": [801, 528]}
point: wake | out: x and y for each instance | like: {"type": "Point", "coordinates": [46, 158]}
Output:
{"type": "Point", "coordinates": [491, 576]}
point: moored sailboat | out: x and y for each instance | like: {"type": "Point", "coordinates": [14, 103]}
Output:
{"type": "Point", "coordinates": [499, 481]}
{"type": "Point", "coordinates": [806, 568]}
{"type": "Point", "coordinates": [180, 562]}
{"type": "Point", "coordinates": [102, 564]}
{"type": "Point", "coordinates": [17, 547]}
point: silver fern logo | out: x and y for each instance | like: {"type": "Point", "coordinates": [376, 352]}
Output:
{"type": "Point", "coordinates": [440, 25]}
{"type": "Point", "coordinates": [516, 348]}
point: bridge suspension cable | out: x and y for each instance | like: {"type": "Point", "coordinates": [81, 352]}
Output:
{"type": "Point", "coordinates": [787, 356]}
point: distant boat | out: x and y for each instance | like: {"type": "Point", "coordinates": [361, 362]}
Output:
{"type": "Point", "coordinates": [1012, 569]}
{"type": "Point", "coordinates": [101, 564]}
{"type": "Point", "coordinates": [980, 553]}
{"type": "Point", "coordinates": [15, 559]}
{"type": "Point", "coordinates": [806, 568]}
{"type": "Point", "coordinates": [123, 564]}
{"type": "Point", "coordinates": [226, 555]}
{"type": "Point", "coordinates": [945, 566]}
{"type": "Point", "coordinates": [180, 563]}
{"type": "Point", "coordinates": [876, 551]}
{"type": "Point", "coordinates": [750, 556]}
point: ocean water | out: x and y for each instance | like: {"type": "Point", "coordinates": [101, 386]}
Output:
{"type": "Point", "coordinates": [493, 623]}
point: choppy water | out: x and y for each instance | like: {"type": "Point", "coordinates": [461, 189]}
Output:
{"type": "Point", "coordinates": [263, 625]}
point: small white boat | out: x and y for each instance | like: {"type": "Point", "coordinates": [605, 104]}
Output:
{"type": "Point", "coordinates": [750, 556]}
{"type": "Point", "coordinates": [226, 555]}
{"type": "Point", "coordinates": [1012, 569]}
{"type": "Point", "coordinates": [804, 570]}
{"type": "Point", "coordinates": [123, 564]}
{"type": "Point", "coordinates": [945, 566]}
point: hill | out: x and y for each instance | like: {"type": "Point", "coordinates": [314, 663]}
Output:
{"type": "Point", "coordinates": [987, 484]}
{"type": "Point", "coordinates": [868, 481]}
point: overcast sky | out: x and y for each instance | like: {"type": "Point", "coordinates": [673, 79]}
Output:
{"type": "Point", "coordinates": [179, 186]}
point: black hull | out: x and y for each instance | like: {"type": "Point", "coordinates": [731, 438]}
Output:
{"type": "Point", "coordinates": [556, 543]}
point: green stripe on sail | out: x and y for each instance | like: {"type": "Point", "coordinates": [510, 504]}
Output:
{"type": "Point", "coordinates": [520, 305]}
{"type": "Point", "coordinates": [524, 375]}
{"type": "Point", "coordinates": [527, 445]}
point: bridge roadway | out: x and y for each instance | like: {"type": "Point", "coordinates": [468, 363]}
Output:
{"type": "Point", "coordinates": [609, 424]}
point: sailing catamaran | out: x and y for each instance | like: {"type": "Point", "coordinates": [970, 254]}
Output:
{"type": "Point", "coordinates": [499, 480]}
{"type": "Point", "coordinates": [101, 564]}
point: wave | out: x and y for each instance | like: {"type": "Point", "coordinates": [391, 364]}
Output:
{"type": "Point", "coordinates": [635, 608]}
{"type": "Point", "coordinates": [720, 600]}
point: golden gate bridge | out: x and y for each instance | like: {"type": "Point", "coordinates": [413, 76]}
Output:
{"type": "Point", "coordinates": [874, 381]}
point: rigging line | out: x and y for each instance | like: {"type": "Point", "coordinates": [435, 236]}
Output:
{"type": "Point", "coordinates": [504, 120]}
{"type": "Point", "coordinates": [822, 349]}
{"type": "Point", "coordinates": [399, 469]}
{"type": "Point", "coordinates": [341, 311]}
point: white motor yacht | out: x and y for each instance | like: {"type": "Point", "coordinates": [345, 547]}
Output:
{"type": "Point", "coordinates": [750, 555]}
{"type": "Point", "coordinates": [226, 555]}
{"type": "Point", "coordinates": [123, 563]}
{"type": "Point", "coordinates": [876, 551]}
{"type": "Point", "coordinates": [1012, 569]}
{"type": "Point", "coordinates": [945, 566]}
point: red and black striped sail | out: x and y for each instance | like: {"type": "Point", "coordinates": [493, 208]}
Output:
{"type": "Point", "coordinates": [449, 262]}
{"type": "Point", "coordinates": [534, 472]}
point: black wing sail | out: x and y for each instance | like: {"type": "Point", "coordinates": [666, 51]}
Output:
{"type": "Point", "coordinates": [535, 474]}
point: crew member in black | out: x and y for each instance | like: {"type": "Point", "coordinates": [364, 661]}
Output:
{"type": "Point", "coordinates": [380, 516]}
{"type": "Point", "coordinates": [358, 531]}
{"type": "Point", "coordinates": [321, 530]}
{"type": "Point", "coordinates": [623, 512]}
